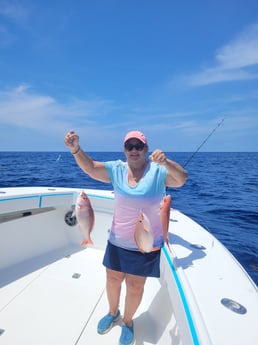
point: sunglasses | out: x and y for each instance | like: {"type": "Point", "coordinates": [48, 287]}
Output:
{"type": "Point", "coordinates": [138, 147]}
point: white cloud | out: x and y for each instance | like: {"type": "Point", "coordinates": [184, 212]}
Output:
{"type": "Point", "coordinates": [242, 52]}
{"type": "Point", "coordinates": [21, 107]}
{"type": "Point", "coordinates": [217, 75]}
{"type": "Point", "coordinates": [28, 117]}
{"type": "Point", "coordinates": [234, 61]}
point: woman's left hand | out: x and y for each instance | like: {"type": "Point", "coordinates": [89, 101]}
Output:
{"type": "Point", "coordinates": [158, 156]}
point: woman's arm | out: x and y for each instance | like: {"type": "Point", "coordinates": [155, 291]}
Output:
{"type": "Point", "coordinates": [177, 175]}
{"type": "Point", "coordinates": [94, 169]}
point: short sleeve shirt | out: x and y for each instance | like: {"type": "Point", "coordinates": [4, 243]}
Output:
{"type": "Point", "coordinates": [130, 201]}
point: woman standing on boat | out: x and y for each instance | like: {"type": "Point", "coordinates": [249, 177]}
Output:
{"type": "Point", "coordinates": [139, 186]}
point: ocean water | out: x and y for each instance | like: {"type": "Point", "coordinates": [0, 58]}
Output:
{"type": "Point", "coordinates": [221, 192]}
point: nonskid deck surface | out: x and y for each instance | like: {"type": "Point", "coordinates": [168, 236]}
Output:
{"type": "Point", "coordinates": [62, 303]}
{"type": "Point", "coordinates": [53, 304]}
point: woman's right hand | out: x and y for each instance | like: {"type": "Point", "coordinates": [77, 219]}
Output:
{"type": "Point", "coordinates": [71, 140]}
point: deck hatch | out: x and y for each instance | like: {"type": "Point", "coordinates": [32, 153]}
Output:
{"type": "Point", "coordinates": [233, 306]}
{"type": "Point", "coordinates": [76, 275]}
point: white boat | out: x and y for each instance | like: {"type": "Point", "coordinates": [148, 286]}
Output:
{"type": "Point", "coordinates": [53, 290]}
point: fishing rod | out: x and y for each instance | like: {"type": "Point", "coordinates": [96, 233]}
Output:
{"type": "Point", "coordinates": [204, 141]}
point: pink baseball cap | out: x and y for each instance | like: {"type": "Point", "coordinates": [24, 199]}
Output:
{"type": "Point", "coordinates": [137, 135]}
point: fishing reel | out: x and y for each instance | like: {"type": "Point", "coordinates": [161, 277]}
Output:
{"type": "Point", "coordinates": [70, 218]}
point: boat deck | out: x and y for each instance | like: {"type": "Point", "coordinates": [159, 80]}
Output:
{"type": "Point", "coordinates": [64, 301]}
{"type": "Point", "coordinates": [53, 292]}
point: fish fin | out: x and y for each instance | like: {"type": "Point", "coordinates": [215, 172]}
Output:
{"type": "Point", "coordinates": [86, 242]}
{"type": "Point", "coordinates": [146, 223]}
{"type": "Point", "coordinates": [141, 250]}
{"type": "Point", "coordinates": [168, 245]}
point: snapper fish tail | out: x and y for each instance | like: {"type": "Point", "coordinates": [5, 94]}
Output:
{"type": "Point", "coordinates": [86, 242]}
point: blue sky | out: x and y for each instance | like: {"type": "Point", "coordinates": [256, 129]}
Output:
{"type": "Point", "coordinates": [171, 68]}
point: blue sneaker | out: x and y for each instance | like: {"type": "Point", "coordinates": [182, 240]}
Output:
{"type": "Point", "coordinates": [127, 335]}
{"type": "Point", "coordinates": [106, 323]}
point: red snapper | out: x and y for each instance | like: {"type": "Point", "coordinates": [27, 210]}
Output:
{"type": "Point", "coordinates": [165, 215]}
{"type": "Point", "coordinates": [85, 216]}
{"type": "Point", "coordinates": [143, 235]}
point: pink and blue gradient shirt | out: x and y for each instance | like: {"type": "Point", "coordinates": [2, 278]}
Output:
{"type": "Point", "coordinates": [130, 201]}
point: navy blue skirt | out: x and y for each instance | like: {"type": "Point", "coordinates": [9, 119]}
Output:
{"type": "Point", "coordinates": [132, 262]}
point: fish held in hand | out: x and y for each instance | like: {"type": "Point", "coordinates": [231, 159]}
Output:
{"type": "Point", "coordinates": [85, 217]}
{"type": "Point", "coordinates": [143, 235]}
{"type": "Point", "coordinates": [165, 206]}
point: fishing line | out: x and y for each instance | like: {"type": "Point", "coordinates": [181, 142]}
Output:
{"type": "Point", "coordinates": [191, 157]}
{"type": "Point", "coordinates": [204, 141]}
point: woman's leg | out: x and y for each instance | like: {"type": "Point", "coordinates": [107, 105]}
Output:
{"type": "Point", "coordinates": [113, 286]}
{"type": "Point", "coordinates": [134, 291]}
